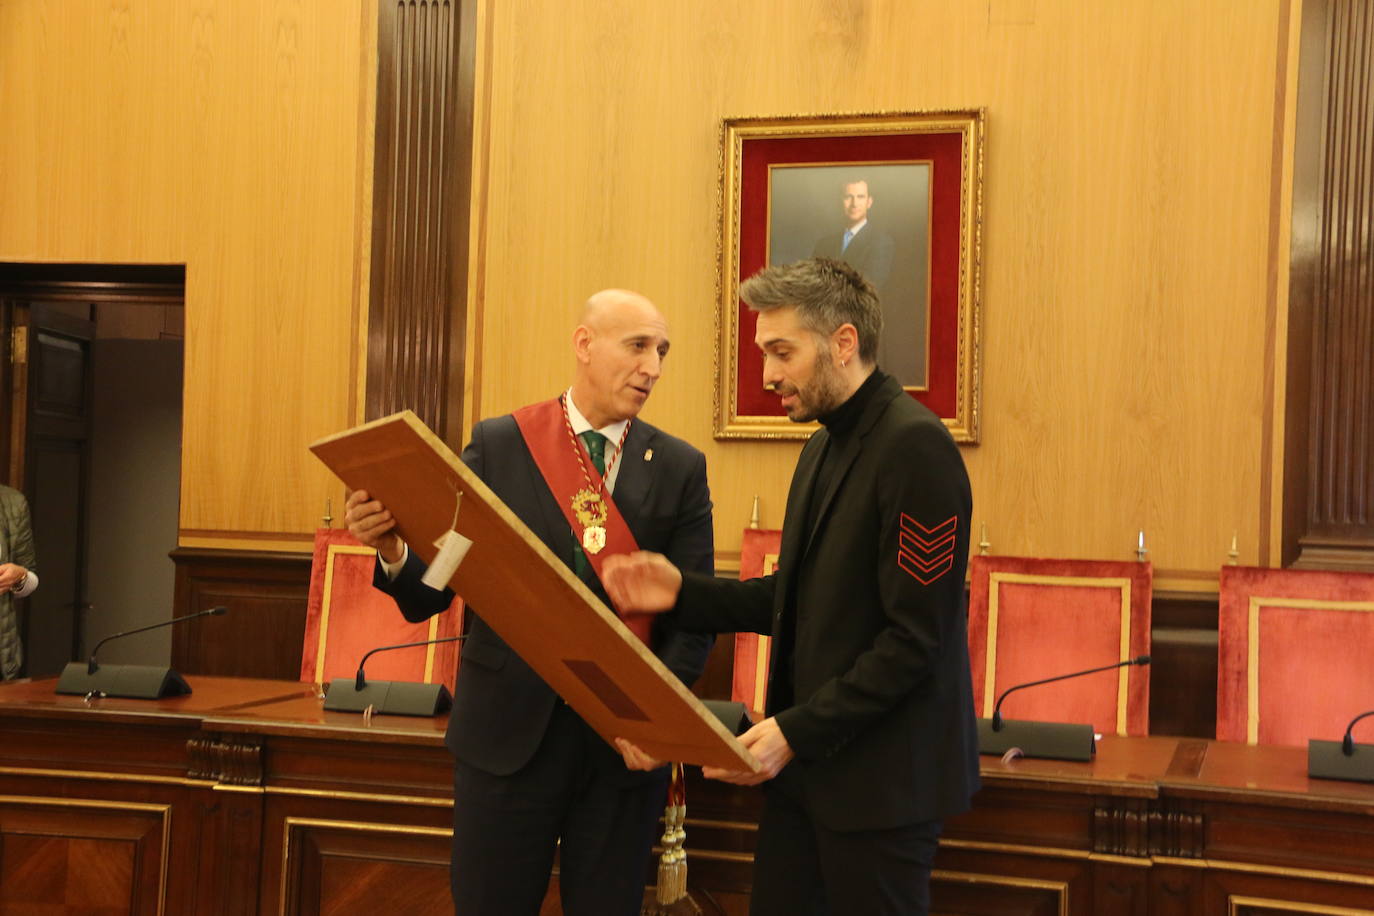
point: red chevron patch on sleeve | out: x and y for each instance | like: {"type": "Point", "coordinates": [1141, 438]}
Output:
{"type": "Point", "coordinates": [924, 553]}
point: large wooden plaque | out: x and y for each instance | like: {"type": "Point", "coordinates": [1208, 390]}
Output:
{"type": "Point", "coordinates": [528, 596]}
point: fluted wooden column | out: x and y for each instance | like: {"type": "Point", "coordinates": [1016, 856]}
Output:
{"type": "Point", "coordinates": [1329, 486]}
{"type": "Point", "coordinates": [419, 228]}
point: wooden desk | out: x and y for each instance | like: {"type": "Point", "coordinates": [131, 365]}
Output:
{"type": "Point", "coordinates": [1152, 826]}
{"type": "Point", "coordinates": [246, 797]}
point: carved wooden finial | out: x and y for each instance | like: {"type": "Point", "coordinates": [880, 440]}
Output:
{"type": "Point", "coordinates": [1233, 555]}
{"type": "Point", "coordinates": [754, 513]}
{"type": "Point", "coordinates": [984, 545]}
{"type": "Point", "coordinates": [1140, 551]}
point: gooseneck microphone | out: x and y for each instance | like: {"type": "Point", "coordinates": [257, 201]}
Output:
{"type": "Point", "coordinates": [92, 667]}
{"type": "Point", "coordinates": [997, 709]}
{"type": "Point", "coordinates": [141, 682]}
{"type": "Point", "coordinates": [1348, 743]}
{"type": "Point", "coordinates": [404, 698]}
{"type": "Point", "coordinates": [361, 681]}
{"type": "Point", "coordinates": [1055, 740]}
{"type": "Point", "coordinates": [1343, 759]}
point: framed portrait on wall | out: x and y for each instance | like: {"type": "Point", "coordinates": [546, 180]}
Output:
{"type": "Point", "coordinates": [898, 196]}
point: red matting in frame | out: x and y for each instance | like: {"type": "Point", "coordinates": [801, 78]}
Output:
{"type": "Point", "coordinates": [944, 149]}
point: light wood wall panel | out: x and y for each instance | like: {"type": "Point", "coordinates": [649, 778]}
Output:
{"type": "Point", "coordinates": [232, 137]}
{"type": "Point", "coordinates": [1127, 234]}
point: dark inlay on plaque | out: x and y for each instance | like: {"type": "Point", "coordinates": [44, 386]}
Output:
{"type": "Point", "coordinates": [600, 683]}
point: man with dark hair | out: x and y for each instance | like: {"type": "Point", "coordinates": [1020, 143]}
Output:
{"type": "Point", "coordinates": [530, 776]}
{"type": "Point", "coordinates": [870, 739]}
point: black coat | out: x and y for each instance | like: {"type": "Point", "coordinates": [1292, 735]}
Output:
{"type": "Point", "coordinates": [882, 723]}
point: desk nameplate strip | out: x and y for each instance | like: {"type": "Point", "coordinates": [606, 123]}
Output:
{"type": "Point", "coordinates": [1249, 868]}
{"type": "Point", "coordinates": [184, 781]}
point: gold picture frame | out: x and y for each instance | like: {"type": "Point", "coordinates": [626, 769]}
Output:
{"type": "Point", "coordinates": [922, 173]}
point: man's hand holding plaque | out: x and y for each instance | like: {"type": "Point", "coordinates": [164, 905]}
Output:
{"type": "Point", "coordinates": [646, 583]}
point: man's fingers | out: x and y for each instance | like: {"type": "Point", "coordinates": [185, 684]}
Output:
{"type": "Point", "coordinates": [377, 523]}
{"type": "Point", "coordinates": [636, 758]}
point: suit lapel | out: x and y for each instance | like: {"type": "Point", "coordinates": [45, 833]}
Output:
{"type": "Point", "coordinates": [636, 477]}
{"type": "Point", "coordinates": [555, 531]}
{"type": "Point", "coordinates": [844, 459]}
{"type": "Point", "coordinates": [798, 503]}
{"type": "Point", "coordinates": [857, 244]}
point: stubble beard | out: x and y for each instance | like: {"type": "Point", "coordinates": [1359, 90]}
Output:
{"type": "Point", "coordinates": [824, 393]}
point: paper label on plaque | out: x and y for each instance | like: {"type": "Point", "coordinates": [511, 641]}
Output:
{"type": "Point", "coordinates": [452, 548]}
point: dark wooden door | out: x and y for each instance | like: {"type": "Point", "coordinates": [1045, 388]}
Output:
{"type": "Point", "coordinates": [55, 445]}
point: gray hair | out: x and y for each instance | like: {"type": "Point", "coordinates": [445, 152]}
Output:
{"type": "Point", "coordinates": [826, 294]}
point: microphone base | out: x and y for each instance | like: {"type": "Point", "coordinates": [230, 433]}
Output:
{"type": "Point", "coordinates": [1326, 761]}
{"type": "Point", "coordinates": [1052, 740]}
{"type": "Point", "coordinates": [398, 698]}
{"type": "Point", "coordinates": [140, 682]}
{"type": "Point", "coordinates": [731, 713]}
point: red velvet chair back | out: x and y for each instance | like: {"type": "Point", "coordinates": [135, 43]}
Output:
{"type": "Point", "coordinates": [346, 617]}
{"type": "Point", "coordinates": [1032, 618]}
{"type": "Point", "coordinates": [1293, 654]}
{"type": "Point", "coordinates": [758, 557]}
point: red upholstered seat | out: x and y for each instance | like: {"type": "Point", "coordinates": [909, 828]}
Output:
{"type": "Point", "coordinates": [346, 617]}
{"type": "Point", "coordinates": [1293, 654]}
{"type": "Point", "coordinates": [1034, 618]}
{"type": "Point", "coordinates": [758, 557]}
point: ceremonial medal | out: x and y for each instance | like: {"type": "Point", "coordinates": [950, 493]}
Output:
{"type": "Point", "coordinates": [591, 513]}
{"type": "Point", "coordinates": [588, 506]}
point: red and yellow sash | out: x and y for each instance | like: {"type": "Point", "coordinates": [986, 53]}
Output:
{"type": "Point", "coordinates": [542, 427]}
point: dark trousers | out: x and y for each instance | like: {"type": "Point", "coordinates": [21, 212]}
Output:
{"type": "Point", "coordinates": [801, 867]}
{"type": "Point", "coordinates": [575, 797]}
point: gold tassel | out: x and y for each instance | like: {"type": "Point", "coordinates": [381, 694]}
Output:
{"type": "Point", "coordinates": [671, 897]}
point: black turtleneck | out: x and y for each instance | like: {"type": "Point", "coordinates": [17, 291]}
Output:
{"type": "Point", "coordinates": [840, 424]}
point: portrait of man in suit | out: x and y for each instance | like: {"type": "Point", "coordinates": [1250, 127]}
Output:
{"type": "Point", "coordinates": [874, 218]}
{"type": "Point", "coordinates": [866, 248]}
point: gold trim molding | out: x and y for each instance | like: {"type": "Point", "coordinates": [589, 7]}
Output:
{"type": "Point", "coordinates": [1059, 888]}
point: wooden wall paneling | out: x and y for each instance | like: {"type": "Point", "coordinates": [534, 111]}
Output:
{"type": "Point", "coordinates": [263, 632]}
{"type": "Point", "coordinates": [1329, 493]}
{"type": "Point", "coordinates": [228, 137]}
{"type": "Point", "coordinates": [417, 315]}
{"type": "Point", "coordinates": [1126, 234]}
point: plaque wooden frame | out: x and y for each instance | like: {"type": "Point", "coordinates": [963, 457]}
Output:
{"type": "Point", "coordinates": [528, 596]}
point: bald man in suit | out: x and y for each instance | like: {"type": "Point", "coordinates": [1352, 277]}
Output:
{"type": "Point", "coordinates": [530, 776]}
